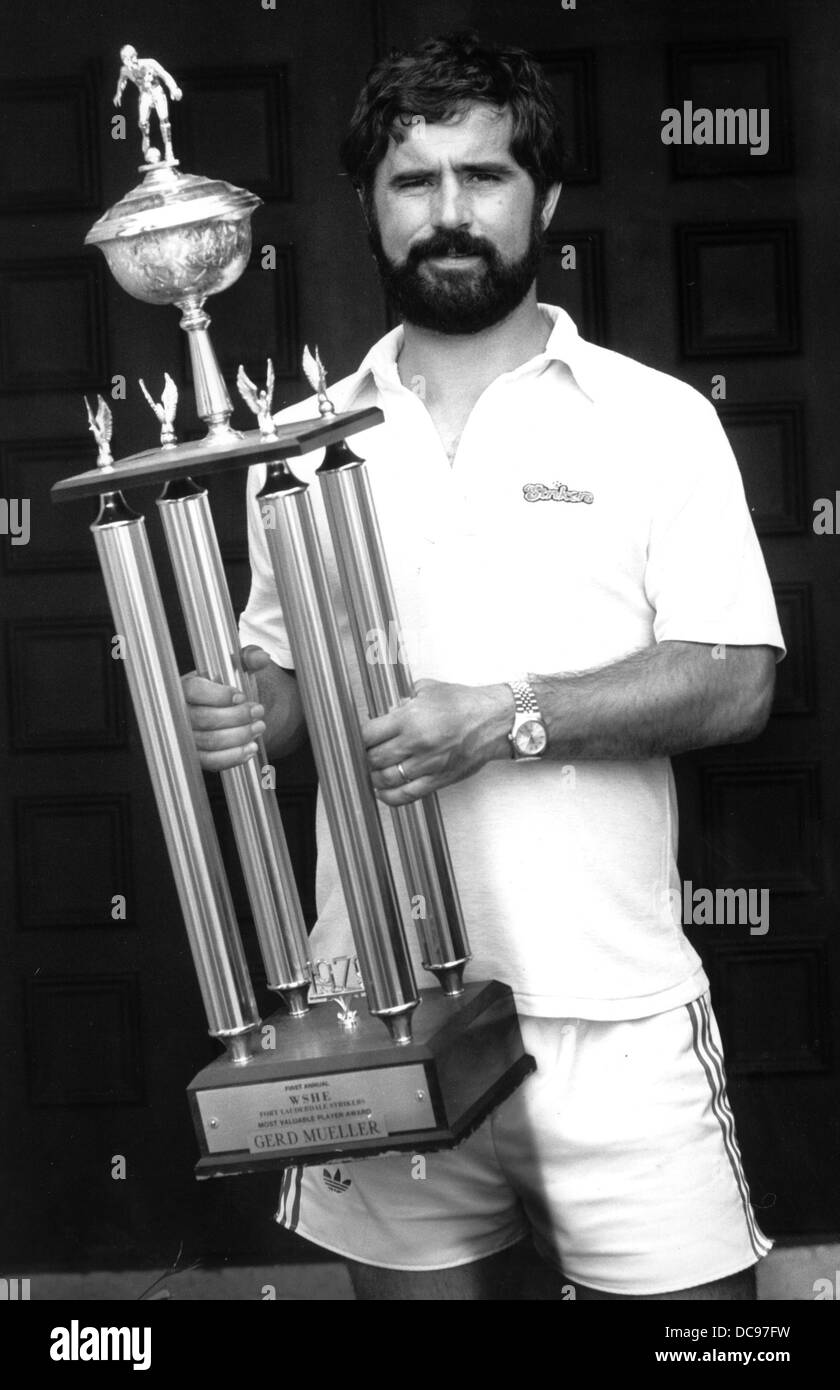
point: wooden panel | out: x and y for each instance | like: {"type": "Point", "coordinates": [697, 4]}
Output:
{"type": "Point", "coordinates": [234, 124]}
{"type": "Point", "coordinates": [734, 76]}
{"type": "Point", "coordinates": [738, 290]}
{"type": "Point", "coordinates": [254, 319]}
{"type": "Point", "coordinates": [28, 469]}
{"type": "Point", "coordinates": [83, 1040]}
{"type": "Point", "coordinates": [49, 151]}
{"type": "Point", "coordinates": [761, 827]}
{"type": "Point", "coordinates": [795, 681]}
{"type": "Point", "coordinates": [67, 690]}
{"type": "Point", "coordinates": [768, 443]}
{"type": "Point", "coordinates": [579, 290]}
{"type": "Point", "coordinates": [54, 836]}
{"type": "Point", "coordinates": [572, 75]}
{"type": "Point", "coordinates": [772, 1005]}
{"type": "Point", "coordinates": [52, 325]}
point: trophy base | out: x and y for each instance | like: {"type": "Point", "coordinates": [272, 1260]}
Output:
{"type": "Point", "coordinates": [325, 1092]}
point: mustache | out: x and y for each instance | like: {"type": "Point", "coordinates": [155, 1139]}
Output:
{"type": "Point", "coordinates": [448, 243]}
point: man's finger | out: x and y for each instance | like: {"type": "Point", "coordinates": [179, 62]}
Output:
{"type": "Point", "coordinates": [206, 718]}
{"type": "Point", "coordinates": [219, 740]}
{"type": "Point", "coordinates": [386, 755]}
{"type": "Point", "coordinates": [382, 728]}
{"type": "Point", "coordinates": [198, 690]}
{"type": "Point", "coordinates": [411, 791]}
{"type": "Point", "coordinates": [391, 778]}
{"type": "Point", "coordinates": [254, 658]}
{"type": "Point", "coordinates": [222, 760]}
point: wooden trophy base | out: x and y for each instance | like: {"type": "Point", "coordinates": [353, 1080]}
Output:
{"type": "Point", "coordinates": [325, 1092]}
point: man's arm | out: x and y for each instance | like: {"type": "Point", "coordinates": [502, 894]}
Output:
{"type": "Point", "coordinates": [122, 82]}
{"type": "Point", "coordinates": [664, 700]}
{"type": "Point", "coordinates": [225, 724]}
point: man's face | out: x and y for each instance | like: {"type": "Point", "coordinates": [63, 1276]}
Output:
{"type": "Point", "coordinates": [455, 225]}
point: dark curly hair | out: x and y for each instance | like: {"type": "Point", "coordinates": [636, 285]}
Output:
{"type": "Point", "coordinates": [441, 76]}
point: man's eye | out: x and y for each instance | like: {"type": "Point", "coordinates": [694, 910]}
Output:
{"type": "Point", "coordinates": [421, 181]}
{"type": "Point", "coordinates": [481, 177]}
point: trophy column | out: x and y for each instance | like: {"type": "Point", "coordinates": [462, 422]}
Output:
{"type": "Point", "coordinates": [124, 555]}
{"type": "Point", "coordinates": [255, 816]}
{"type": "Point", "coordinates": [333, 726]}
{"type": "Point", "coordinates": [371, 607]}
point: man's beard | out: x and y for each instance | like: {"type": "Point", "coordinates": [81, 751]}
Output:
{"type": "Point", "coordinates": [461, 300]}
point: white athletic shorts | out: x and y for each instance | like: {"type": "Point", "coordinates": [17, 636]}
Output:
{"type": "Point", "coordinates": [618, 1155]}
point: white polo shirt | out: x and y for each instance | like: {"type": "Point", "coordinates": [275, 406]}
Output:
{"type": "Point", "coordinates": [564, 870]}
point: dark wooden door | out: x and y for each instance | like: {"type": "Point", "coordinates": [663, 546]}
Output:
{"type": "Point", "coordinates": [100, 1018]}
{"type": "Point", "coordinates": [704, 270]}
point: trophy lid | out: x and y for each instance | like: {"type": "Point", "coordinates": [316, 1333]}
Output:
{"type": "Point", "coordinates": [165, 198]}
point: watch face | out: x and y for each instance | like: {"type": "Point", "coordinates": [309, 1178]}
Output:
{"type": "Point", "coordinates": [531, 738]}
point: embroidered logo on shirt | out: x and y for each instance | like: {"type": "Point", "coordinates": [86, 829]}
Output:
{"type": "Point", "coordinates": [334, 1181]}
{"type": "Point", "coordinates": [557, 492]}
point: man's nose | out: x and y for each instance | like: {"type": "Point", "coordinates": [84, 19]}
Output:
{"type": "Point", "coordinates": [451, 206]}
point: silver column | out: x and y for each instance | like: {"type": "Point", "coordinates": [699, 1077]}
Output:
{"type": "Point", "coordinates": [333, 725]}
{"type": "Point", "coordinates": [372, 609]}
{"type": "Point", "coordinates": [255, 816]}
{"type": "Point", "coordinates": [177, 779]}
{"type": "Point", "coordinates": [211, 396]}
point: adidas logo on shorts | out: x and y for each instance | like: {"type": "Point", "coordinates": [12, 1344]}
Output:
{"type": "Point", "coordinates": [334, 1181]}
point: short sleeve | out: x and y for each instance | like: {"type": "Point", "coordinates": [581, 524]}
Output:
{"type": "Point", "coordinates": [262, 621]}
{"type": "Point", "coordinates": [705, 575]}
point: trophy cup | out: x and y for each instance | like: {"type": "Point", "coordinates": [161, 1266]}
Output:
{"type": "Point", "coordinates": [308, 1084]}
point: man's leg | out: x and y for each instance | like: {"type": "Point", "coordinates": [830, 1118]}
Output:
{"type": "Point", "coordinates": [735, 1288]}
{"type": "Point", "coordinates": [514, 1274]}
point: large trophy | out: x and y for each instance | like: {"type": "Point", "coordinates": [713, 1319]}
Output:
{"type": "Point", "coordinates": [319, 1079]}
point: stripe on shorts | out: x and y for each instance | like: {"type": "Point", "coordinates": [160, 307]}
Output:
{"type": "Point", "coordinates": [288, 1212]}
{"type": "Point", "coordinates": [711, 1059]}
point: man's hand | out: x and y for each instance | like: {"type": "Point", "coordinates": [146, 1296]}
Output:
{"type": "Point", "coordinates": [442, 735]}
{"type": "Point", "coordinates": [224, 722]}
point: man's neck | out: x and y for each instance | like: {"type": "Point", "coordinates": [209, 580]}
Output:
{"type": "Point", "coordinates": [449, 370]}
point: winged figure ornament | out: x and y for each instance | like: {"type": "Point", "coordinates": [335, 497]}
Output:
{"type": "Point", "coordinates": [259, 401]}
{"type": "Point", "coordinates": [101, 426]}
{"type": "Point", "coordinates": [315, 373]}
{"type": "Point", "coordinates": [164, 409]}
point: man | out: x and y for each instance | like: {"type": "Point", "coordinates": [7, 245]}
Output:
{"type": "Point", "coordinates": [573, 558]}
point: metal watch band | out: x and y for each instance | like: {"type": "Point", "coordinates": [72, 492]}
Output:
{"type": "Point", "coordinates": [524, 698]}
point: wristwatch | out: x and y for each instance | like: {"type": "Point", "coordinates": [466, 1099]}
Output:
{"type": "Point", "coordinates": [529, 736]}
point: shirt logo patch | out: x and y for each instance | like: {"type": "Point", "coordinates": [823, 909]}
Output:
{"type": "Point", "coordinates": [334, 1181]}
{"type": "Point", "coordinates": [556, 492]}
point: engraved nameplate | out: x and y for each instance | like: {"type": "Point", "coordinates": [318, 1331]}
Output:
{"type": "Point", "coordinates": [311, 1112]}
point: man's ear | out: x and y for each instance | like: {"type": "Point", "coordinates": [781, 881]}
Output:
{"type": "Point", "coordinates": [550, 202]}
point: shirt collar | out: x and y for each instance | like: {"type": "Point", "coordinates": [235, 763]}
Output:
{"type": "Point", "coordinates": [564, 345]}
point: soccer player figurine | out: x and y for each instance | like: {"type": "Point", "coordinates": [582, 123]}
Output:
{"type": "Point", "coordinates": [147, 76]}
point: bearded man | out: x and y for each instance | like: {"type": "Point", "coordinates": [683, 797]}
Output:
{"type": "Point", "coordinates": [572, 554]}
